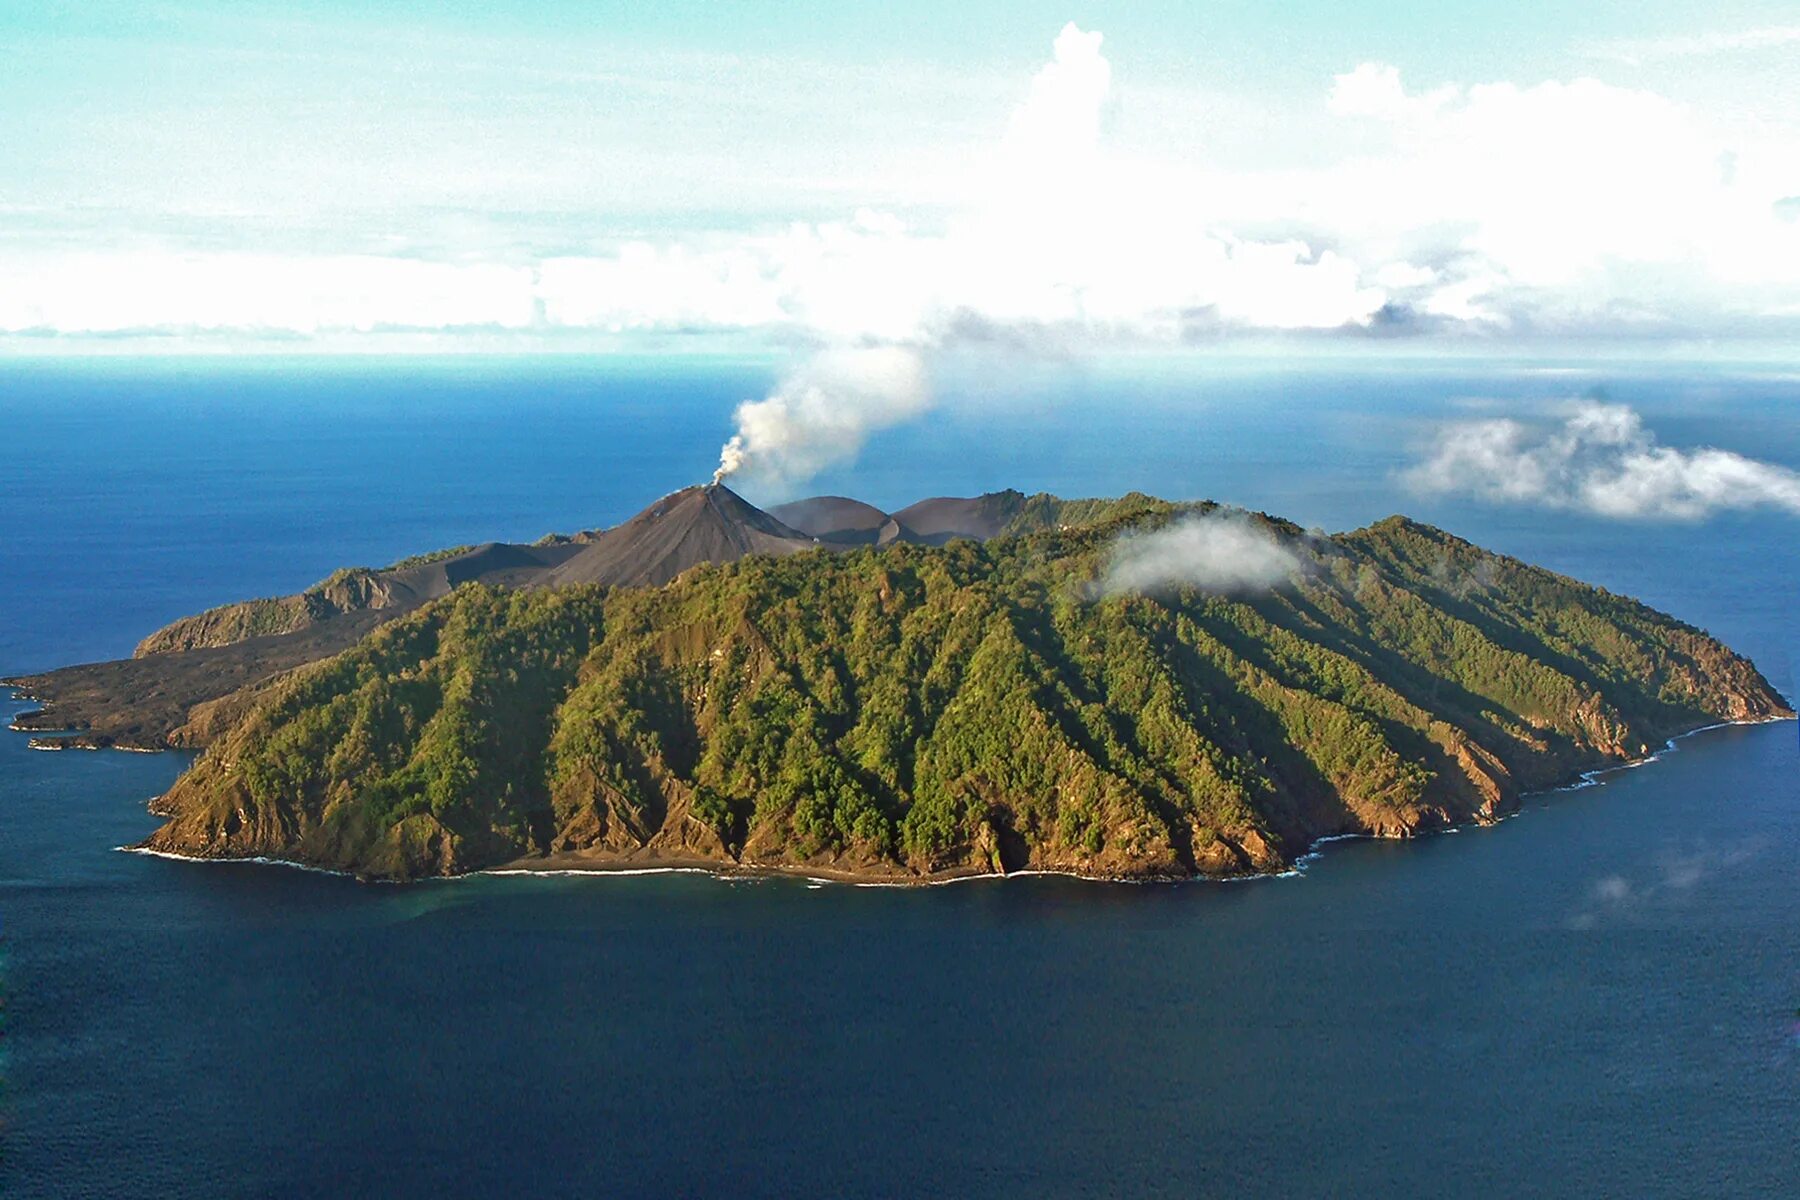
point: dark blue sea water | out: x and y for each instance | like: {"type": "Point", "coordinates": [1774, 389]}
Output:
{"type": "Point", "coordinates": [1598, 997]}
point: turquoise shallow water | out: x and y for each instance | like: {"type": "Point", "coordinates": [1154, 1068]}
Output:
{"type": "Point", "coordinates": [1596, 997]}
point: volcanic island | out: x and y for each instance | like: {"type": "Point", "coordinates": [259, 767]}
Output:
{"type": "Point", "coordinates": [829, 689]}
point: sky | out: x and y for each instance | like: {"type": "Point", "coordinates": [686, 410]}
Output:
{"type": "Point", "coordinates": [849, 179]}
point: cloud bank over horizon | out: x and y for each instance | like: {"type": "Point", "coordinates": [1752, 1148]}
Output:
{"type": "Point", "coordinates": [1559, 208]}
{"type": "Point", "coordinates": [1601, 460]}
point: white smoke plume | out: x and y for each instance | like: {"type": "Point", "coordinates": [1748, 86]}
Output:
{"type": "Point", "coordinates": [826, 411]}
{"type": "Point", "coordinates": [823, 414]}
{"type": "Point", "coordinates": [1220, 552]}
{"type": "Point", "coordinates": [1600, 459]}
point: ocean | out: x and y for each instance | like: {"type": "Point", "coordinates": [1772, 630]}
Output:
{"type": "Point", "coordinates": [1601, 996]}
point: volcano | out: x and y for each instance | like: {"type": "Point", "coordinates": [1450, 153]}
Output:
{"type": "Point", "coordinates": [834, 519]}
{"type": "Point", "coordinates": [151, 699]}
{"type": "Point", "coordinates": [682, 530]}
{"type": "Point", "coordinates": [941, 518]}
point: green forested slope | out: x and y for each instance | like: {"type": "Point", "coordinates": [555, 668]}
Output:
{"type": "Point", "coordinates": [914, 711]}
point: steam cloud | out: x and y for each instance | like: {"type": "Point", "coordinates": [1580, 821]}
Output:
{"type": "Point", "coordinates": [1219, 552]}
{"type": "Point", "coordinates": [823, 414]}
{"type": "Point", "coordinates": [826, 411]}
{"type": "Point", "coordinates": [1602, 460]}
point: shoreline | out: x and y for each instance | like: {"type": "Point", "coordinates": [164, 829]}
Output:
{"type": "Point", "coordinates": [57, 744]}
{"type": "Point", "coordinates": [818, 877]}
{"type": "Point", "coordinates": [1593, 777]}
{"type": "Point", "coordinates": [53, 737]}
{"type": "Point", "coordinates": [256, 860]}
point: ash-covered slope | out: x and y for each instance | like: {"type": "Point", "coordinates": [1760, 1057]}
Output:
{"type": "Point", "coordinates": [941, 518]}
{"type": "Point", "coordinates": [696, 525]}
{"type": "Point", "coordinates": [682, 530]}
{"type": "Point", "coordinates": [914, 711]}
{"type": "Point", "coordinates": [841, 520]}
{"type": "Point", "coordinates": [833, 519]}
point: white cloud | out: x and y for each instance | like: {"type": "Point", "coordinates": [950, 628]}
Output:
{"type": "Point", "coordinates": [1600, 459]}
{"type": "Point", "coordinates": [1060, 117]}
{"type": "Point", "coordinates": [1220, 552]}
{"type": "Point", "coordinates": [1577, 204]}
{"type": "Point", "coordinates": [1374, 90]}
{"type": "Point", "coordinates": [1056, 235]}
{"type": "Point", "coordinates": [1703, 45]}
{"type": "Point", "coordinates": [109, 293]}
{"type": "Point", "coordinates": [1557, 207]}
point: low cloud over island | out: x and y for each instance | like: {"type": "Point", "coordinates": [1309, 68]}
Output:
{"type": "Point", "coordinates": [1225, 552]}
